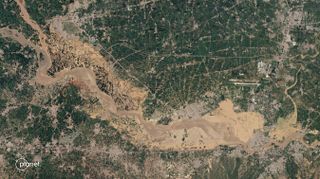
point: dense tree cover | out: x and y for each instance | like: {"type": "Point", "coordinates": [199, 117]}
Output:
{"type": "Point", "coordinates": [23, 119]}
{"type": "Point", "coordinates": [15, 66]}
{"type": "Point", "coordinates": [180, 50]}
{"type": "Point", "coordinates": [307, 90]}
{"type": "Point", "coordinates": [10, 17]}
{"type": "Point", "coordinates": [42, 10]}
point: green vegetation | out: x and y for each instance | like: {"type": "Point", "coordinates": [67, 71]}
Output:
{"type": "Point", "coordinates": [307, 90]}
{"type": "Point", "coordinates": [170, 155]}
{"type": "Point", "coordinates": [10, 17]}
{"type": "Point", "coordinates": [183, 51]}
{"type": "Point", "coordinates": [15, 66]}
{"type": "Point", "coordinates": [19, 114]}
{"type": "Point", "coordinates": [68, 99]}
{"type": "Point", "coordinates": [3, 123]}
{"type": "Point", "coordinates": [259, 165]}
{"type": "Point", "coordinates": [179, 49]}
{"type": "Point", "coordinates": [71, 28]}
{"type": "Point", "coordinates": [57, 117]}
{"type": "Point", "coordinates": [42, 10]}
{"type": "Point", "coordinates": [164, 120]}
{"type": "Point", "coordinates": [3, 105]}
{"type": "Point", "coordinates": [309, 137]}
{"type": "Point", "coordinates": [291, 167]}
{"type": "Point", "coordinates": [232, 167]}
{"type": "Point", "coordinates": [41, 128]}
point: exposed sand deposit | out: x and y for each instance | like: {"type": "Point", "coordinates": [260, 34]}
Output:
{"type": "Point", "coordinates": [222, 126]}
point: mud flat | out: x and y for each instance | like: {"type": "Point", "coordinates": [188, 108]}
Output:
{"type": "Point", "coordinates": [222, 126]}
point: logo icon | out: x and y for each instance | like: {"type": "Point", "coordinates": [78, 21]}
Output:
{"type": "Point", "coordinates": [22, 164]}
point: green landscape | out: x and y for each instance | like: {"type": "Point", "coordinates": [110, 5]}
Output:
{"type": "Point", "coordinates": [136, 89]}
